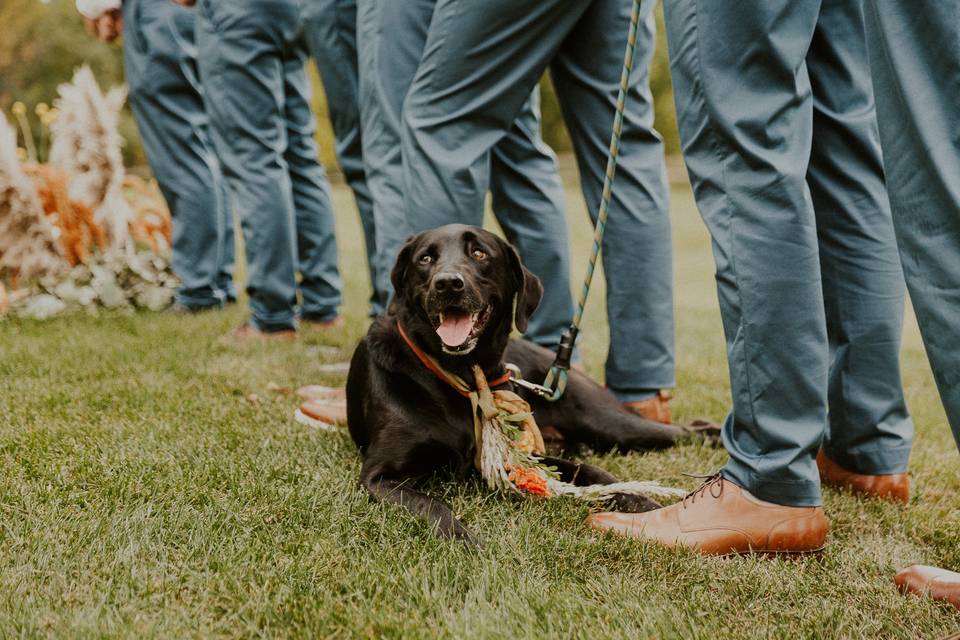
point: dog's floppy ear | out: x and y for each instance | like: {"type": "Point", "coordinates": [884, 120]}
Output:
{"type": "Point", "coordinates": [399, 274]}
{"type": "Point", "coordinates": [529, 290]}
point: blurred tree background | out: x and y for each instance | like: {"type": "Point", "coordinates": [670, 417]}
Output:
{"type": "Point", "coordinates": [42, 42]}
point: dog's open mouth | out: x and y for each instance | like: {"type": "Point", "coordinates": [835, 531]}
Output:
{"type": "Point", "coordinates": [459, 329]}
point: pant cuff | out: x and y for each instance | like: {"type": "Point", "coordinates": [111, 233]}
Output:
{"type": "Point", "coordinates": [654, 381]}
{"type": "Point", "coordinates": [229, 293]}
{"type": "Point", "coordinates": [878, 461]}
{"type": "Point", "coordinates": [790, 493]}
{"type": "Point", "coordinates": [633, 395]}
{"type": "Point", "coordinates": [274, 321]}
{"type": "Point", "coordinates": [197, 300]}
{"type": "Point", "coordinates": [326, 315]}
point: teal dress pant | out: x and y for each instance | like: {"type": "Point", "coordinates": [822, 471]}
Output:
{"type": "Point", "coordinates": [252, 55]}
{"type": "Point", "coordinates": [915, 62]}
{"type": "Point", "coordinates": [332, 40]}
{"type": "Point", "coordinates": [779, 133]}
{"type": "Point", "coordinates": [480, 63]}
{"type": "Point", "coordinates": [160, 58]}
{"type": "Point", "coordinates": [520, 171]}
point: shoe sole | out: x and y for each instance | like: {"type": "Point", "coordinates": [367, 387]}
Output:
{"type": "Point", "coordinates": [788, 553]}
{"type": "Point", "coordinates": [320, 425]}
{"type": "Point", "coordinates": [774, 553]}
{"type": "Point", "coordinates": [851, 490]}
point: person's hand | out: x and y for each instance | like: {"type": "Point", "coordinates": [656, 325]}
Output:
{"type": "Point", "coordinates": [186, 3]}
{"type": "Point", "coordinates": [107, 27]}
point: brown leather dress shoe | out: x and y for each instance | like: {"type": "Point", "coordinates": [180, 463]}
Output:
{"type": "Point", "coordinates": [721, 518]}
{"type": "Point", "coordinates": [322, 414]}
{"type": "Point", "coordinates": [923, 580]}
{"type": "Point", "coordinates": [894, 487]}
{"type": "Point", "coordinates": [655, 408]}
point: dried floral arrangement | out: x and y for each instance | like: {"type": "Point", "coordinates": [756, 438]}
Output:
{"type": "Point", "coordinates": [76, 231]}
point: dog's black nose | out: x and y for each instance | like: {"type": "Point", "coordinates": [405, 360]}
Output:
{"type": "Point", "coordinates": [447, 281]}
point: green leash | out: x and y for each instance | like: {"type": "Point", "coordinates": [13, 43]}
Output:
{"type": "Point", "coordinates": [556, 381]}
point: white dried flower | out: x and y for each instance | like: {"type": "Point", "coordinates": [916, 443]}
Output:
{"type": "Point", "coordinates": [28, 247]}
{"type": "Point", "coordinates": [86, 144]}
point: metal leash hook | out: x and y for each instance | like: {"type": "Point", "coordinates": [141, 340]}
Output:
{"type": "Point", "coordinates": [517, 378]}
{"type": "Point", "coordinates": [556, 381]}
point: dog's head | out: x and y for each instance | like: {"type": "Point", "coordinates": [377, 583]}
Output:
{"type": "Point", "coordinates": [464, 282]}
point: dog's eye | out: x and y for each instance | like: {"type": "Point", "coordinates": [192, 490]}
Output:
{"type": "Point", "coordinates": [426, 259]}
{"type": "Point", "coordinates": [479, 254]}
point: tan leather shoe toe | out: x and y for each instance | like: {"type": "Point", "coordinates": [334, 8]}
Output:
{"type": "Point", "coordinates": [320, 392]}
{"type": "Point", "coordinates": [894, 487]}
{"type": "Point", "coordinates": [655, 408]}
{"type": "Point", "coordinates": [936, 583]}
{"type": "Point", "coordinates": [322, 414]}
{"type": "Point", "coordinates": [721, 518]}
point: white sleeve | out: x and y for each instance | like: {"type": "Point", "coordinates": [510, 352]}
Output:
{"type": "Point", "coordinates": [93, 9]}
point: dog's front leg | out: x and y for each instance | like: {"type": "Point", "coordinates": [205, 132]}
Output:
{"type": "Point", "coordinates": [401, 492]}
{"type": "Point", "coordinates": [582, 474]}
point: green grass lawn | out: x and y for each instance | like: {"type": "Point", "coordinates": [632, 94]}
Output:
{"type": "Point", "coordinates": [153, 484]}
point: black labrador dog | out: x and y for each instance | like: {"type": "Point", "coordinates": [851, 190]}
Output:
{"type": "Point", "coordinates": [456, 288]}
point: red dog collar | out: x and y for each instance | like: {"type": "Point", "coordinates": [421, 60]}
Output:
{"type": "Point", "coordinates": [434, 368]}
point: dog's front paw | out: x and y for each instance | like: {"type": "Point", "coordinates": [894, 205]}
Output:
{"type": "Point", "coordinates": [454, 530]}
{"type": "Point", "coordinates": [467, 537]}
{"type": "Point", "coordinates": [629, 503]}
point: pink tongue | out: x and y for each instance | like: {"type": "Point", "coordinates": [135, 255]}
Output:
{"type": "Point", "coordinates": [455, 330]}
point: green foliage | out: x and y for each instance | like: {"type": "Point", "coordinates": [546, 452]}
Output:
{"type": "Point", "coordinates": [40, 46]}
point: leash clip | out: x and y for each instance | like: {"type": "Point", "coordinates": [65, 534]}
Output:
{"type": "Point", "coordinates": [556, 381]}
{"type": "Point", "coordinates": [517, 377]}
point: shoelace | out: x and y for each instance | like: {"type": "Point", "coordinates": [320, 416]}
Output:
{"type": "Point", "coordinates": [712, 482]}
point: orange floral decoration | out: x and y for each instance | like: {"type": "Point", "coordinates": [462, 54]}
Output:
{"type": "Point", "coordinates": [79, 232]}
{"type": "Point", "coordinates": [529, 481]}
